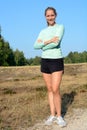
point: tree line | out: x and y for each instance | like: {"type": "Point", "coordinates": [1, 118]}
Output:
{"type": "Point", "coordinates": [75, 57]}
{"type": "Point", "coordinates": [8, 57]}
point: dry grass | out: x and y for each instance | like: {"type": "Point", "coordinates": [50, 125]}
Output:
{"type": "Point", "coordinates": [23, 95]}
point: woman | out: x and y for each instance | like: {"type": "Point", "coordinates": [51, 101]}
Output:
{"type": "Point", "coordinates": [52, 66]}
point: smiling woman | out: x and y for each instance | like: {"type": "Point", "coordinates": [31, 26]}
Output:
{"type": "Point", "coordinates": [52, 65]}
{"type": "Point", "coordinates": [50, 14]}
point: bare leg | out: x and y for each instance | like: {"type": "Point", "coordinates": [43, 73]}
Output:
{"type": "Point", "coordinates": [48, 81]}
{"type": "Point", "coordinates": [56, 80]}
{"type": "Point", "coordinates": [53, 85]}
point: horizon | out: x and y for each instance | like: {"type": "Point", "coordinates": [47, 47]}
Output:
{"type": "Point", "coordinates": [21, 22]}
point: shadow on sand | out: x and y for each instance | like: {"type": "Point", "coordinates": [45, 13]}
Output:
{"type": "Point", "coordinates": [67, 99]}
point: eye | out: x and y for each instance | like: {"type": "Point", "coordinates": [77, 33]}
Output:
{"type": "Point", "coordinates": [47, 15]}
{"type": "Point", "coordinates": [50, 15]}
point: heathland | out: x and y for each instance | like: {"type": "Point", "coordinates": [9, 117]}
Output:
{"type": "Point", "coordinates": [23, 95]}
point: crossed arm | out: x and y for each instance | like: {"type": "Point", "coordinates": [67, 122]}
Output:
{"type": "Point", "coordinates": [53, 40]}
{"type": "Point", "coordinates": [51, 43]}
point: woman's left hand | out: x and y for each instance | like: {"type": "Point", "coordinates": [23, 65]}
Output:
{"type": "Point", "coordinates": [39, 41]}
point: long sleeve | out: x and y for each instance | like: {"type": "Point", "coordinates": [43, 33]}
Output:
{"type": "Point", "coordinates": [51, 50]}
{"type": "Point", "coordinates": [41, 44]}
{"type": "Point", "coordinates": [59, 33]}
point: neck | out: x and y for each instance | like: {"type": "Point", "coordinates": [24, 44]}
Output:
{"type": "Point", "coordinates": [51, 24]}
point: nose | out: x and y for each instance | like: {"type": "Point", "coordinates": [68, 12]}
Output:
{"type": "Point", "coordinates": [50, 17]}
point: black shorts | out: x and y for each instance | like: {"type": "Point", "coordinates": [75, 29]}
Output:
{"type": "Point", "coordinates": [52, 65]}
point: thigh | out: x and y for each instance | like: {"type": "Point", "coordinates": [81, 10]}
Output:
{"type": "Point", "coordinates": [56, 80]}
{"type": "Point", "coordinates": [48, 80]}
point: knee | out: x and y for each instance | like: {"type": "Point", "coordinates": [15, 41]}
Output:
{"type": "Point", "coordinates": [49, 88]}
{"type": "Point", "coordinates": [56, 91]}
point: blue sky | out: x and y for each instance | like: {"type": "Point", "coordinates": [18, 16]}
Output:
{"type": "Point", "coordinates": [22, 20]}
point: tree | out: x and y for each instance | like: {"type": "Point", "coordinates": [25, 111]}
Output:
{"type": "Point", "coordinates": [29, 61]}
{"type": "Point", "coordinates": [67, 60]}
{"type": "Point", "coordinates": [71, 56]}
{"type": "Point", "coordinates": [75, 57]}
{"type": "Point", "coordinates": [19, 58]}
{"type": "Point", "coordinates": [36, 60]}
{"type": "Point", "coordinates": [6, 54]}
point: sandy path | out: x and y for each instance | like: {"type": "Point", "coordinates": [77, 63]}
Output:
{"type": "Point", "coordinates": [78, 121]}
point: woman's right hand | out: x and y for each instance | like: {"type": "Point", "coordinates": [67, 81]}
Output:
{"type": "Point", "coordinates": [39, 41]}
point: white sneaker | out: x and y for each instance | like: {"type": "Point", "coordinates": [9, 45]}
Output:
{"type": "Point", "coordinates": [60, 121]}
{"type": "Point", "coordinates": [50, 120]}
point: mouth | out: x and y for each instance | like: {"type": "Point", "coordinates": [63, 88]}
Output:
{"type": "Point", "coordinates": [51, 20]}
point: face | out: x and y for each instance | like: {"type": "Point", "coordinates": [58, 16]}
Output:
{"type": "Point", "coordinates": [50, 17]}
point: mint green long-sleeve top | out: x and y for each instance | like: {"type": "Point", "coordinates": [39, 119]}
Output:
{"type": "Point", "coordinates": [51, 50]}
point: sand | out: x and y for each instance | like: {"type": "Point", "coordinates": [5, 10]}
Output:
{"type": "Point", "coordinates": [76, 121]}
